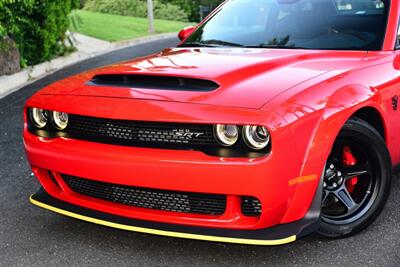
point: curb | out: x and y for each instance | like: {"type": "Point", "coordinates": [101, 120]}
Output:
{"type": "Point", "coordinates": [14, 82]}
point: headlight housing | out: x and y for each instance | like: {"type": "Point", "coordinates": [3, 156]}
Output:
{"type": "Point", "coordinates": [256, 137]}
{"type": "Point", "coordinates": [39, 117]}
{"type": "Point", "coordinates": [59, 119]}
{"type": "Point", "coordinates": [49, 120]}
{"type": "Point", "coordinates": [226, 135]}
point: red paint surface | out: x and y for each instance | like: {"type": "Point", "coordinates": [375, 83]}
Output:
{"type": "Point", "coordinates": [304, 97]}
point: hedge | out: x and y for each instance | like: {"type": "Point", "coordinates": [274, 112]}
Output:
{"type": "Point", "coordinates": [2, 31]}
{"type": "Point", "coordinates": [37, 26]}
{"type": "Point", "coordinates": [192, 7]}
{"type": "Point", "coordinates": [137, 8]}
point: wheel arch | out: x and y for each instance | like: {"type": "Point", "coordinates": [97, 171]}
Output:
{"type": "Point", "coordinates": [351, 101]}
{"type": "Point", "coordinates": [321, 128]}
{"type": "Point", "coordinates": [373, 117]}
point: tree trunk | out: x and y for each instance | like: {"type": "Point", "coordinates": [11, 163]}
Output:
{"type": "Point", "coordinates": [9, 57]}
{"type": "Point", "coordinates": [150, 15]}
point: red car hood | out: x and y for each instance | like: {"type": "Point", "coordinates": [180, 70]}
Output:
{"type": "Point", "coordinates": [246, 77]}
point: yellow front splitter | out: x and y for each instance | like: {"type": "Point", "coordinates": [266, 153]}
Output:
{"type": "Point", "coordinates": [162, 232]}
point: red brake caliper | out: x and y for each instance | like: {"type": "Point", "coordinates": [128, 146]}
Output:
{"type": "Point", "coordinates": [349, 160]}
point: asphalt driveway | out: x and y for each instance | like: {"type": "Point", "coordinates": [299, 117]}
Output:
{"type": "Point", "coordinates": [35, 237]}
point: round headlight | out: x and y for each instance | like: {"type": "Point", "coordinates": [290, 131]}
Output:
{"type": "Point", "coordinates": [226, 135]}
{"type": "Point", "coordinates": [39, 117]}
{"type": "Point", "coordinates": [60, 120]}
{"type": "Point", "coordinates": [256, 137]}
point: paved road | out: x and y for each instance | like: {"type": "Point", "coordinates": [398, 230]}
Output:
{"type": "Point", "coordinates": [32, 236]}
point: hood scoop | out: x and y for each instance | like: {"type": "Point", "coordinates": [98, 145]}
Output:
{"type": "Point", "coordinates": [153, 82]}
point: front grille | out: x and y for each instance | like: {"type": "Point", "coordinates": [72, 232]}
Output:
{"type": "Point", "coordinates": [205, 204]}
{"type": "Point", "coordinates": [147, 134]}
{"type": "Point", "coordinates": [251, 206]}
{"type": "Point", "coordinates": [135, 133]}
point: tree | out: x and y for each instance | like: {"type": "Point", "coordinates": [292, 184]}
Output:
{"type": "Point", "coordinates": [150, 15]}
{"type": "Point", "coordinates": [38, 27]}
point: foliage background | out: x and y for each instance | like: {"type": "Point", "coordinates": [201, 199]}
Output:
{"type": "Point", "coordinates": [192, 7]}
{"type": "Point", "coordinates": [181, 10]}
{"type": "Point", "coordinates": [137, 8]}
{"type": "Point", "coordinates": [37, 26]}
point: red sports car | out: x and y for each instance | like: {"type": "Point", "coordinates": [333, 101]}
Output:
{"type": "Point", "coordinates": [272, 119]}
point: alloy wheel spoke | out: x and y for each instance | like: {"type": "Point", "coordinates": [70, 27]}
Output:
{"type": "Point", "coordinates": [354, 171]}
{"type": "Point", "coordinates": [325, 197]}
{"type": "Point", "coordinates": [349, 167]}
{"type": "Point", "coordinates": [344, 196]}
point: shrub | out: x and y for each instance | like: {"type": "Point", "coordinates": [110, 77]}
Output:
{"type": "Point", "coordinates": [37, 26]}
{"type": "Point", "coordinates": [137, 8]}
{"type": "Point", "coordinates": [2, 31]}
{"type": "Point", "coordinates": [169, 12]}
{"type": "Point", "coordinates": [82, 3]}
{"type": "Point", "coordinates": [192, 7]}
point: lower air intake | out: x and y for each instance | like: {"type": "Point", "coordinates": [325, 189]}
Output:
{"type": "Point", "coordinates": [184, 202]}
{"type": "Point", "coordinates": [251, 206]}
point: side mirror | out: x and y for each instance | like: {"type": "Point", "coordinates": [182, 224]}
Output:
{"type": "Point", "coordinates": [396, 62]}
{"type": "Point", "coordinates": [186, 32]}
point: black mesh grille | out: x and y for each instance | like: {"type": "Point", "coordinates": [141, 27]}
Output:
{"type": "Point", "coordinates": [251, 206]}
{"type": "Point", "coordinates": [206, 204]}
{"type": "Point", "coordinates": [139, 133]}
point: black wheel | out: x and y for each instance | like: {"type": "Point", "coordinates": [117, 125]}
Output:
{"type": "Point", "coordinates": [357, 180]}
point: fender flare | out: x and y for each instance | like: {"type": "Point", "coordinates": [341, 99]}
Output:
{"type": "Point", "coordinates": [339, 108]}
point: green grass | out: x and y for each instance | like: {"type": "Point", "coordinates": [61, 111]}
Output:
{"type": "Point", "coordinates": [116, 28]}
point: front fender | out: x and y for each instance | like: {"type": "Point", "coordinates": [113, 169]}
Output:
{"type": "Point", "coordinates": [340, 106]}
{"type": "Point", "coordinates": [315, 121]}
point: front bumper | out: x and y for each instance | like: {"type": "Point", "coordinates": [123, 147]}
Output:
{"type": "Point", "coordinates": [284, 197]}
{"type": "Point", "coordinates": [285, 186]}
{"type": "Point", "coordinates": [277, 235]}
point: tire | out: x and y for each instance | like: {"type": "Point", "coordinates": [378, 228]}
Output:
{"type": "Point", "coordinates": [358, 149]}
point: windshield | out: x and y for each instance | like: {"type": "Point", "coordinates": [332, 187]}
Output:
{"type": "Point", "coordinates": [290, 24]}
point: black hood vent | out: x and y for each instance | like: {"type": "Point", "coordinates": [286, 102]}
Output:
{"type": "Point", "coordinates": [154, 82]}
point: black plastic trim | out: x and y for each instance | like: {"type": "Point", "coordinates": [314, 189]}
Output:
{"type": "Point", "coordinates": [153, 82]}
{"type": "Point", "coordinates": [299, 228]}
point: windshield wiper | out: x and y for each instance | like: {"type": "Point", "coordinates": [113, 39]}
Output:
{"type": "Point", "coordinates": [275, 46]}
{"type": "Point", "coordinates": [221, 43]}
{"type": "Point", "coordinates": [196, 44]}
{"type": "Point", "coordinates": [210, 43]}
